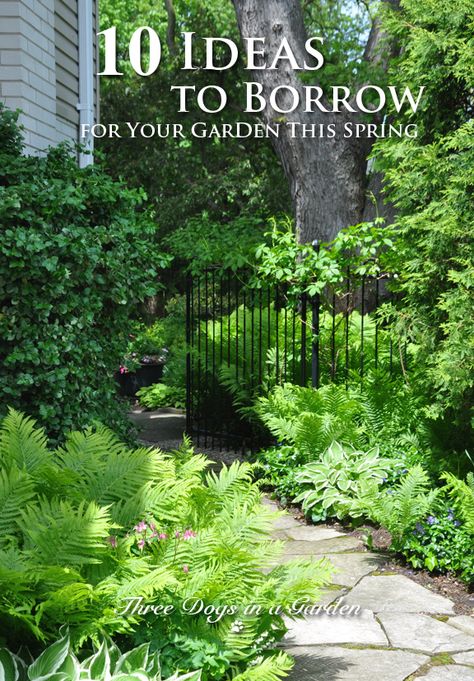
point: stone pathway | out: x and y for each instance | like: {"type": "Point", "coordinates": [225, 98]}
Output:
{"type": "Point", "coordinates": [397, 629]}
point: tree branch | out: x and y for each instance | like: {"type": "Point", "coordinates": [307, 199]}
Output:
{"type": "Point", "coordinates": [171, 32]}
{"type": "Point", "coordinates": [373, 52]}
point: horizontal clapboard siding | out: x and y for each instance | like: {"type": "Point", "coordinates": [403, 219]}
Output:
{"type": "Point", "coordinates": [67, 61]}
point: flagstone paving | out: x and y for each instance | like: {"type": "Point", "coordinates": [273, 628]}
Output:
{"type": "Point", "coordinates": [395, 630]}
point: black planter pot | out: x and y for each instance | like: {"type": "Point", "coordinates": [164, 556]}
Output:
{"type": "Point", "coordinates": [131, 382]}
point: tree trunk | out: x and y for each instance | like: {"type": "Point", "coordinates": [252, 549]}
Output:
{"type": "Point", "coordinates": [327, 176]}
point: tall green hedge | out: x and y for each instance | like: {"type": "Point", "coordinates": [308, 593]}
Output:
{"type": "Point", "coordinates": [77, 255]}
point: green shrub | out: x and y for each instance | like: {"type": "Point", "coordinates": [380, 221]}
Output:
{"type": "Point", "coordinates": [333, 483]}
{"type": "Point", "coordinates": [78, 255]}
{"type": "Point", "coordinates": [161, 395]}
{"type": "Point", "coordinates": [429, 179]}
{"type": "Point", "coordinates": [92, 523]}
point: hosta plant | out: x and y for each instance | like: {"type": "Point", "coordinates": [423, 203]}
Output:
{"type": "Point", "coordinates": [93, 523]}
{"type": "Point", "coordinates": [333, 483]}
{"type": "Point", "coordinates": [59, 663]}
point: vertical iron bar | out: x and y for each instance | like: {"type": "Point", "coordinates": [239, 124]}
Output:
{"type": "Point", "coordinates": [229, 314]}
{"type": "Point", "coordinates": [285, 334]}
{"type": "Point", "coordinates": [188, 355]}
{"type": "Point", "coordinates": [277, 344]}
{"type": "Point", "coordinates": [252, 340]}
{"type": "Point", "coordinates": [348, 293]}
{"type": "Point", "coordinates": [333, 338]}
{"type": "Point", "coordinates": [303, 337]}
{"type": "Point", "coordinates": [293, 372]}
{"type": "Point", "coordinates": [214, 381]}
{"type": "Point", "coordinates": [199, 363]}
{"type": "Point", "coordinates": [221, 313]}
{"type": "Point", "coordinates": [362, 314]}
{"type": "Point", "coordinates": [206, 390]}
{"type": "Point", "coordinates": [315, 330]}
{"type": "Point", "coordinates": [377, 302]}
{"type": "Point", "coordinates": [260, 337]}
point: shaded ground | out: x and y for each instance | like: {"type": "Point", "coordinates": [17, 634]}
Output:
{"type": "Point", "coordinates": [398, 625]}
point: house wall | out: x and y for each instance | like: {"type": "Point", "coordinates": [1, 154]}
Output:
{"type": "Point", "coordinates": [39, 68]}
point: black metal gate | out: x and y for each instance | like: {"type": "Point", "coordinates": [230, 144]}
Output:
{"type": "Point", "coordinates": [243, 338]}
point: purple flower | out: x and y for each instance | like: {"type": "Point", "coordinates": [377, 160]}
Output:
{"type": "Point", "coordinates": [113, 542]}
{"type": "Point", "coordinates": [431, 520]}
{"type": "Point", "coordinates": [419, 529]}
{"type": "Point", "coordinates": [141, 527]}
{"type": "Point", "coordinates": [177, 534]}
{"type": "Point", "coordinates": [457, 523]}
{"type": "Point", "coordinates": [141, 544]}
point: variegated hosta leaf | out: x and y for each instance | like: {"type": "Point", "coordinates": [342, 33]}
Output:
{"type": "Point", "coordinates": [8, 666]}
{"type": "Point", "coordinates": [50, 661]}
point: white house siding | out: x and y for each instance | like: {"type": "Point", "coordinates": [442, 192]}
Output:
{"type": "Point", "coordinates": [27, 67]}
{"type": "Point", "coordinates": [39, 68]}
{"type": "Point", "coordinates": [67, 68]}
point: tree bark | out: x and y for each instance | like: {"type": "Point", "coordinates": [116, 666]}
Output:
{"type": "Point", "coordinates": [327, 176]}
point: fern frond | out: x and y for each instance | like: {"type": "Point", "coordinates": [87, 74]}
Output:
{"type": "Point", "coordinates": [461, 494]}
{"type": "Point", "coordinates": [16, 490]}
{"type": "Point", "coordinates": [271, 668]}
{"type": "Point", "coordinates": [22, 443]}
{"type": "Point", "coordinates": [56, 533]}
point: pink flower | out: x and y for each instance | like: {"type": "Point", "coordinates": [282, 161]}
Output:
{"type": "Point", "coordinates": [177, 534]}
{"type": "Point", "coordinates": [141, 544]}
{"type": "Point", "coordinates": [162, 536]}
{"type": "Point", "coordinates": [152, 527]}
{"type": "Point", "coordinates": [189, 534]}
{"type": "Point", "coordinates": [112, 541]}
{"type": "Point", "coordinates": [141, 527]}
{"type": "Point", "coordinates": [186, 569]}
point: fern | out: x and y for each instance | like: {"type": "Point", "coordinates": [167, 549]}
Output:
{"type": "Point", "coordinates": [312, 419]}
{"type": "Point", "coordinates": [461, 494]}
{"type": "Point", "coordinates": [399, 509]}
{"type": "Point", "coordinates": [22, 444]}
{"type": "Point", "coordinates": [269, 669]}
{"type": "Point", "coordinates": [73, 543]}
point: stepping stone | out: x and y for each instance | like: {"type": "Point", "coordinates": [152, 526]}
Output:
{"type": "Point", "coordinates": [464, 623]}
{"type": "Point", "coordinates": [269, 502]}
{"type": "Point", "coordinates": [324, 546]}
{"type": "Point", "coordinates": [351, 567]}
{"type": "Point", "coordinates": [464, 658]}
{"type": "Point", "coordinates": [420, 632]}
{"type": "Point", "coordinates": [449, 672]}
{"type": "Point", "coordinates": [312, 533]}
{"type": "Point", "coordinates": [286, 522]}
{"type": "Point", "coordinates": [329, 629]}
{"type": "Point", "coordinates": [332, 663]}
{"type": "Point", "coordinates": [397, 593]}
{"type": "Point", "coordinates": [329, 596]}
